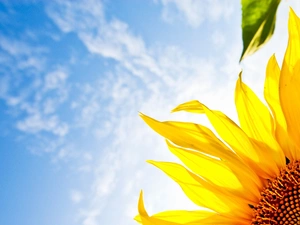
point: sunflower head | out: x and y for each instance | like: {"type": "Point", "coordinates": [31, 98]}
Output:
{"type": "Point", "coordinates": [251, 174]}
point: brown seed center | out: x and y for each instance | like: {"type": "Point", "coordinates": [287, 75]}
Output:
{"type": "Point", "coordinates": [280, 200]}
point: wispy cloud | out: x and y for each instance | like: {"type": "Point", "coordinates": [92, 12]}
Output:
{"type": "Point", "coordinates": [20, 55]}
{"type": "Point", "coordinates": [76, 196]}
{"type": "Point", "coordinates": [32, 94]}
{"type": "Point", "coordinates": [35, 123]}
{"type": "Point", "coordinates": [195, 12]}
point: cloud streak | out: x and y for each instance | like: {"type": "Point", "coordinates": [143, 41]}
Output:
{"type": "Point", "coordinates": [194, 12]}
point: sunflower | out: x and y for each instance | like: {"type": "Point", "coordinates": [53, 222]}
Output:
{"type": "Point", "coordinates": [252, 175]}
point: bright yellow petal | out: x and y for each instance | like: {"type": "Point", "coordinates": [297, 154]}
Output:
{"type": "Point", "coordinates": [241, 144]}
{"type": "Point", "coordinates": [210, 169]}
{"type": "Point", "coordinates": [190, 135]}
{"type": "Point", "coordinates": [182, 217]}
{"type": "Point", "coordinates": [200, 138]}
{"type": "Point", "coordinates": [289, 86]}
{"type": "Point", "coordinates": [191, 106]}
{"type": "Point", "coordinates": [236, 138]}
{"type": "Point", "coordinates": [192, 188]}
{"type": "Point", "coordinates": [257, 122]}
{"type": "Point", "coordinates": [138, 219]}
{"type": "Point", "coordinates": [206, 167]}
{"type": "Point", "coordinates": [141, 207]}
{"type": "Point", "coordinates": [143, 215]}
{"type": "Point", "coordinates": [169, 217]}
{"type": "Point", "coordinates": [205, 194]}
{"type": "Point", "coordinates": [271, 94]}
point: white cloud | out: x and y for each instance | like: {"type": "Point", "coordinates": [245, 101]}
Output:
{"type": "Point", "coordinates": [36, 123]}
{"type": "Point", "coordinates": [28, 94]}
{"type": "Point", "coordinates": [4, 85]}
{"type": "Point", "coordinates": [20, 55]}
{"type": "Point", "coordinates": [76, 196]}
{"type": "Point", "coordinates": [14, 47]}
{"type": "Point", "coordinates": [63, 153]}
{"type": "Point", "coordinates": [90, 217]}
{"type": "Point", "coordinates": [218, 39]}
{"type": "Point", "coordinates": [196, 12]}
{"type": "Point", "coordinates": [41, 113]}
{"type": "Point", "coordinates": [55, 79]}
{"type": "Point", "coordinates": [106, 184]}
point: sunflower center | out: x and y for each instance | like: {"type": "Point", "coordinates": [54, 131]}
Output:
{"type": "Point", "coordinates": [280, 200]}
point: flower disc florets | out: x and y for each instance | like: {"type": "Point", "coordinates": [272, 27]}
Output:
{"type": "Point", "coordinates": [280, 200]}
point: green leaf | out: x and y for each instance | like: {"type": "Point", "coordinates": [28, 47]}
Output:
{"type": "Point", "coordinates": [258, 23]}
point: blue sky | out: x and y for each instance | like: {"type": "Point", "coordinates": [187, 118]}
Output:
{"type": "Point", "coordinates": [73, 77]}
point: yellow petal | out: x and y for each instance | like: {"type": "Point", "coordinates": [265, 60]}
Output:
{"type": "Point", "coordinates": [141, 207]}
{"type": "Point", "coordinates": [138, 219]}
{"type": "Point", "coordinates": [191, 106]}
{"type": "Point", "coordinates": [289, 85]}
{"type": "Point", "coordinates": [192, 188]}
{"type": "Point", "coordinates": [200, 138]}
{"type": "Point", "coordinates": [206, 167]}
{"type": "Point", "coordinates": [204, 194]}
{"type": "Point", "coordinates": [271, 94]}
{"type": "Point", "coordinates": [143, 215]}
{"type": "Point", "coordinates": [256, 121]}
{"type": "Point", "coordinates": [242, 144]}
{"type": "Point", "coordinates": [236, 138]}
{"type": "Point", "coordinates": [210, 169]}
{"type": "Point", "coordinates": [190, 135]}
{"type": "Point", "coordinates": [182, 217]}
{"type": "Point", "coordinates": [229, 131]}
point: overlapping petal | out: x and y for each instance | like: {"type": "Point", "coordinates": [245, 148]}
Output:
{"type": "Point", "coordinates": [183, 217]}
{"type": "Point", "coordinates": [233, 179]}
{"type": "Point", "coordinates": [238, 140]}
{"type": "Point", "coordinates": [190, 135]}
{"type": "Point", "coordinates": [271, 94]}
{"type": "Point", "coordinates": [200, 138]}
{"type": "Point", "coordinates": [289, 83]}
{"type": "Point", "coordinates": [257, 122]}
{"type": "Point", "coordinates": [204, 194]}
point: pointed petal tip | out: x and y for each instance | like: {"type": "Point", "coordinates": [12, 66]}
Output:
{"type": "Point", "coordinates": [141, 114]}
{"type": "Point", "coordinates": [138, 219]}
{"type": "Point", "coordinates": [183, 106]}
{"type": "Point", "coordinates": [174, 110]}
{"type": "Point", "coordinates": [293, 17]}
{"type": "Point", "coordinates": [193, 106]}
{"type": "Point", "coordinates": [141, 194]}
{"type": "Point", "coordinates": [292, 12]}
{"type": "Point", "coordinates": [141, 207]}
{"type": "Point", "coordinates": [272, 61]}
{"type": "Point", "coordinates": [156, 163]}
{"type": "Point", "coordinates": [147, 119]}
{"type": "Point", "coordinates": [152, 162]}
